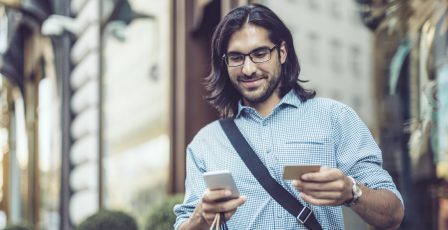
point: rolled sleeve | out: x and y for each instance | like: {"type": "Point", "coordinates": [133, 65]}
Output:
{"type": "Point", "coordinates": [194, 188]}
{"type": "Point", "coordinates": [358, 154]}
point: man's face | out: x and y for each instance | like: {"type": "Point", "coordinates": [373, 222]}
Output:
{"type": "Point", "coordinates": [256, 82]}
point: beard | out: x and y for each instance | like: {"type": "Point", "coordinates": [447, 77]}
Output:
{"type": "Point", "coordinates": [258, 94]}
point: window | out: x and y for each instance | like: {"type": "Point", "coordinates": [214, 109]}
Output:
{"type": "Point", "coordinates": [336, 54]}
{"type": "Point", "coordinates": [313, 48]}
{"type": "Point", "coordinates": [336, 95]}
{"type": "Point", "coordinates": [355, 60]}
{"type": "Point", "coordinates": [314, 5]}
{"type": "Point", "coordinates": [356, 103]}
{"type": "Point", "coordinates": [335, 9]}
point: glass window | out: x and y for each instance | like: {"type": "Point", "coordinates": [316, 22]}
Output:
{"type": "Point", "coordinates": [355, 60]}
{"type": "Point", "coordinates": [336, 54]}
{"type": "Point", "coordinates": [356, 102]}
{"type": "Point", "coordinates": [335, 9]}
{"type": "Point", "coordinates": [313, 48]}
{"type": "Point", "coordinates": [314, 5]}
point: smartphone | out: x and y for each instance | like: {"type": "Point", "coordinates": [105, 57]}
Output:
{"type": "Point", "coordinates": [221, 179]}
{"type": "Point", "coordinates": [294, 172]}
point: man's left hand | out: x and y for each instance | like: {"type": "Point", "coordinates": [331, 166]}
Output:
{"type": "Point", "coordinates": [329, 186]}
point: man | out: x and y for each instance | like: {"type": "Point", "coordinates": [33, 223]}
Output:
{"type": "Point", "coordinates": [254, 80]}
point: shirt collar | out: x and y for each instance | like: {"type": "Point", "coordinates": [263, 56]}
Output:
{"type": "Point", "coordinates": [290, 99]}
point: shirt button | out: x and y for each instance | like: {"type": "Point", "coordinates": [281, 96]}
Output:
{"type": "Point", "coordinates": [279, 215]}
{"type": "Point", "coordinates": [265, 124]}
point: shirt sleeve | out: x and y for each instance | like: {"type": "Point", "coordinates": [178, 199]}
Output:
{"type": "Point", "coordinates": [194, 188]}
{"type": "Point", "coordinates": [358, 154]}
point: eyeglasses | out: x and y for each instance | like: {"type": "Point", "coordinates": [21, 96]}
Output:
{"type": "Point", "coordinates": [258, 55]}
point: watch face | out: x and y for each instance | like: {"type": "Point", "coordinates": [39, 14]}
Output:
{"type": "Point", "coordinates": [357, 192]}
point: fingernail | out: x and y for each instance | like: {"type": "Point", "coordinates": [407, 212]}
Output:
{"type": "Point", "coordinates": [227, 193]}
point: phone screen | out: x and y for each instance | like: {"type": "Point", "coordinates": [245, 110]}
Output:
{"type": "Point", "coordinates": [221, 179]}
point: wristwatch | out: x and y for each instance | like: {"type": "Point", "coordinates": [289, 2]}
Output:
{"type": "Point", "coordinates": [356, 190]}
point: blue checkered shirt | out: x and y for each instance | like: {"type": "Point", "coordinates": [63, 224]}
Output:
{"type": "Point", "coordinates": [318, 131]}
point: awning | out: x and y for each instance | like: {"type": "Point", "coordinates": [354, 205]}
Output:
{"type": "Point", "coordinates": [11, 61]}
{"type": "Point", "coordinates": [372, 12]}
{"type": "Point", "coordinates": [38, 9]}
{"type": "Point", "coordinates": [122, 11]}
{"type": "Point", "coordinates": [23, 17]}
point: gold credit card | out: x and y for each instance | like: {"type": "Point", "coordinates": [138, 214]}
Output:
{"type": "Point", "coordinates": [294, 172]}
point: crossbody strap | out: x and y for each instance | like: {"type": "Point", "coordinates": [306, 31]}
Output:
{"type": "Point", "coordinates": [302, 213]}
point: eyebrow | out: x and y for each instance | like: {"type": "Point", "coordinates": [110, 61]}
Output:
{"type": "Point", "coordinates": [254, 50]}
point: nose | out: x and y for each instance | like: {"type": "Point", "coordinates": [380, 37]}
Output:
{"type": "Point", "coordinates": [248, 67]}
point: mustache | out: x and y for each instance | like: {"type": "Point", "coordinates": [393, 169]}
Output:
{"type": "Point", "coordinates": [252, 77]}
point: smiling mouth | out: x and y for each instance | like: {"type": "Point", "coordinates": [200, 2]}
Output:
{"type": "Point", "coordinates": [250, 79]}
{"type": "Point", "coordinates": [251, 83]}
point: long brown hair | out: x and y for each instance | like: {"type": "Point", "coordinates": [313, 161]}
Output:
{"type": "Point", "coordinates": [221, 93]}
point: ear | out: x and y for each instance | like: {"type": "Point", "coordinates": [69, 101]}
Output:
{"type": "Point", "coordinates": [283, 52]}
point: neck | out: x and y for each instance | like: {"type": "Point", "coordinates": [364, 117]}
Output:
{"type": "Point", "coordinates": [265, 108]}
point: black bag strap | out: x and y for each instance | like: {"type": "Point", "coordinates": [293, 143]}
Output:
{"type": "Point", "coordinates": [302, 213]}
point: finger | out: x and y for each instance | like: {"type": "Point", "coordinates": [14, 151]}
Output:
{"type": "Point", "coordinates": [219, 218]}
{"type": "Point", "coordinates": [338, 185]}
{"type": "Point", "coordinates": [209, 217]}
{"type": "Point", "coordinates": [317, 201]}
{"type": "Point", "coordinates": [324, 175]}
{"type": "Point", "coordinates": [215, 195]}
{"type": "Point", "coordinates": [229, 215]}
{"type": "Point", "coordinates": [223, 206]}
{"type": "Point", "coordinates": [325, 195]}
{"type": "Point", "coordinates": [209, 210]}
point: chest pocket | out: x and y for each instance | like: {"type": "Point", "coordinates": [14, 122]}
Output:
{"type": "Point", "coordinates": [309, 150]}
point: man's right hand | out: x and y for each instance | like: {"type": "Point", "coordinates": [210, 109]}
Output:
{"type": "Point", "coordinates": [213, 202]}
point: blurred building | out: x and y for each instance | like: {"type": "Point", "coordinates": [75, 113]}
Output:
{"type": "Point", "coordinates": [409, 58]}
{"type": "Point", "coordinates": [99, 98]}
{"type": "Point", "coordinates": [94, 104]}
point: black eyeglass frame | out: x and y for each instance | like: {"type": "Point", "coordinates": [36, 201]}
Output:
{"type": "Point", "coordinates": [224, 56]}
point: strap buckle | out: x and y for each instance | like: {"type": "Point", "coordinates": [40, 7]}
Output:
{"type": "Point", "coordinates": [306, 213]}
